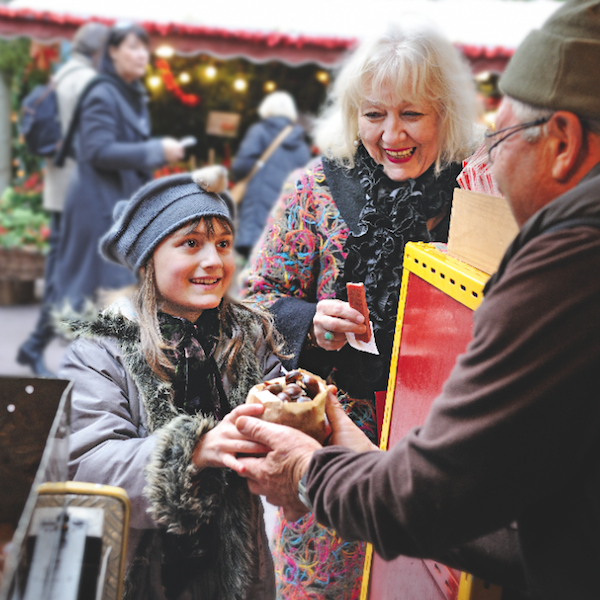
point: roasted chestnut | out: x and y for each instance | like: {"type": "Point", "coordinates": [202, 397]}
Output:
{"type": "Point", "coordinates": [293, 376]}
{"type": "Point", "coordinates": [293, 390]}
{"type": "Point", "coordinates": [311, 385]}
{"type": "Point", "coordinates": [274, 388]}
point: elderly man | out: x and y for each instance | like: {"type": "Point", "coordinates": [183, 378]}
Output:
{"type": "Point", "coordinates": [514, 437]}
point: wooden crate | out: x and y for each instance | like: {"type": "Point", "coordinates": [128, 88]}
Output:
{"type": "Point", "coordinates": [19, 270]}
{"type": "Point", "coordinates": [481, 228]}
{"type": "Point", "coordinates": [14, 292]}
{"type": "Point", "coordinates": [21, 265]}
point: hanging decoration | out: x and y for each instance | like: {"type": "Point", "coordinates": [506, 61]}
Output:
{"type": "Point", "coordinates": [168, 78]}
{"type": "Point", "coordinates": [43, 55]}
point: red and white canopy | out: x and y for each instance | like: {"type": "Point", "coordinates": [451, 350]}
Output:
{"type": "Point", "coordinates": [319, 31]}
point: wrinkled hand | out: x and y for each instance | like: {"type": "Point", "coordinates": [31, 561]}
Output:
{"type": "Point", "coordinates": [172, 150]}
{"type": "Point", "coordinates": [220, 446]}
{"type": "Point", "coordinates": [344, 431]}
{"type": "Point", "coordinates": [336, 317]}
{"type": "Point", "coordinates": [277, 474]}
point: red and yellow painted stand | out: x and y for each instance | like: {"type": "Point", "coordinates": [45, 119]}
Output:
{"type": "Point", "coordinates": [434, 325]}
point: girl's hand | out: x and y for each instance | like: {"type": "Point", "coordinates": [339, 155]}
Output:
{"type": "Point", "coordinates": [220, 446]}
{"type": "Point", "coordinates": [333, 320]}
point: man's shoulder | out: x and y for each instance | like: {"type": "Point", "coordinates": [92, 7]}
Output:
{"type": "Point", "coordinates": [556, 264]}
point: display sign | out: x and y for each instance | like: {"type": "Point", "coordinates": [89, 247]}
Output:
{"type": "Point", "coordinates": [436, 288]}
{"type": "Point", "coordinates": [223, 124]}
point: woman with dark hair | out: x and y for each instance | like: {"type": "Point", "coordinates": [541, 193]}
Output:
{"type": "Point", "coordinates": [115, 156]}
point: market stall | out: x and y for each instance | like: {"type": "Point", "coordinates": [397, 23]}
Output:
{"type": "Point", "coordinates": [212, 66]}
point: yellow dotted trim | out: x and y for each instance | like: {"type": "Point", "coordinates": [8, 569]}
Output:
{"type": "Point", "coordinates": [455, 278]}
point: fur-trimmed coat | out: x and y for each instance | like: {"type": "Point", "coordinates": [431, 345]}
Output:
{"type": "Point", "coordinates": [127, 432]}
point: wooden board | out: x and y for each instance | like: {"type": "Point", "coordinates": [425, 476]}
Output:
{"type": "Point", "coordinates": [481, 228]}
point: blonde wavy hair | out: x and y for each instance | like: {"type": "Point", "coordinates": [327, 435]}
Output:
{"type": "Point", "coordinates": [413, 63]}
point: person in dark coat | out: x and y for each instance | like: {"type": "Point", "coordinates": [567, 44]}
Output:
{"type": "Point", "coordinates": [115, 157]}
{"type": "Point", "coordinates": [70, 80]}
{"type": "Point", "coordinates": [277, 110]}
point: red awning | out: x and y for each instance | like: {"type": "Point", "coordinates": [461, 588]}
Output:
{"type": "Point", "coordinates": [188, 39]}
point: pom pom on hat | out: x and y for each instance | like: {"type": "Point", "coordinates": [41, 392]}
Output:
{"type": "Point", "coordinates": [212, 179]}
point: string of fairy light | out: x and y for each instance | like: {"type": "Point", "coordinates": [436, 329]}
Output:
{"type": "Point", "coordinates": [210, 72]}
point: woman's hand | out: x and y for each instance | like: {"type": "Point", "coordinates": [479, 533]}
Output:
{"type": "Point", "coordinates": [172, 149]}
{"type": "Point", "coordinates": [220, 446]}
{"type": "Point", "coordinates": [333, 320]}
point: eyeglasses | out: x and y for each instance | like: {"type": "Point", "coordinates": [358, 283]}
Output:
{"type": "Point", "coordinates": [490, 144]}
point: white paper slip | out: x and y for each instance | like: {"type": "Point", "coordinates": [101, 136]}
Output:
{"type": "Point", "coordinates": [370, 346]}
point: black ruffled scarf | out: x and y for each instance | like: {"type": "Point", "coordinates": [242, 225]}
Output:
{"type": "Point", "coordinates": [198, 388]}
{"type": "Point", "coordinates": [197, 381]}
{"type": "Point", "coordinates": [394, 213]}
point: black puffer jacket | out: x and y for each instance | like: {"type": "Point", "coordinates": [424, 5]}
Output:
{"type": "Point", "coordinates": [265, 186]}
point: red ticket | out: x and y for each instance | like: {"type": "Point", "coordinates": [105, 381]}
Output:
{"type": "Point", "coordinates": [357, 299]}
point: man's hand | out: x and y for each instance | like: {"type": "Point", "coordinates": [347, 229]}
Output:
{"type": "Point", "coordinates": [344, 431]}
{"type": "Point", "coordinates": [277, 475]}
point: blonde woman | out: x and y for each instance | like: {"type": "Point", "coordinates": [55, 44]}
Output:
{"type": "Point", "coordinates": [401, 119]}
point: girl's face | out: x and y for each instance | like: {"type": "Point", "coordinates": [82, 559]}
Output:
{"type": "Point", "coordinates": [193, 269]}
{"type": "Point", "coordinates": [130, 57]}
{"type": "Point", "coordinates": [402, 136]}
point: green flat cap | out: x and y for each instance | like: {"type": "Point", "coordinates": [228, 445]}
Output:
{"type": "Point", "coordinates": [558, 66]}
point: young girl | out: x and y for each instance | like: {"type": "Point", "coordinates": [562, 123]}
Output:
{"type": "Point", "coordinates": [154, 381]}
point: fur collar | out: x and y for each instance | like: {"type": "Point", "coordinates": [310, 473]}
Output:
{"type": "Point", "coordinates": [118, 322]}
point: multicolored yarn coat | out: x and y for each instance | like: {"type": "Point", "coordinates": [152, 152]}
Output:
{"type": "Point", "coordinates": [299, 261]}
{"type": "Point", "coordinates": [301, 249]}
{"type": "Point", "coordinates": [302, 256]}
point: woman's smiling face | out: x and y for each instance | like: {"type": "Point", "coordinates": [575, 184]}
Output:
{"type": "Point", "coordinates": [401, 135]}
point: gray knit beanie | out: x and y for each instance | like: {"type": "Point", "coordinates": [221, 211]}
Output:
{"type": "Point", "coordinates": [156, 210]}
{"type": "Point", "coordinates": [556, 67]}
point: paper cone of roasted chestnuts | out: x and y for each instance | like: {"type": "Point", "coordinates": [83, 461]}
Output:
{"type": "Point", "coordinates": [296, 400]}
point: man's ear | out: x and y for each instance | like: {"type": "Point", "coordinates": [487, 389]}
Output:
{"type": "Point", "coordinates": [567, 143]}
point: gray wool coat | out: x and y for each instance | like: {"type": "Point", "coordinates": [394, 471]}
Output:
{"type": "Point", "coordinates": [115, 156]}
{"type": "Point", "coordinates": [127, 432]}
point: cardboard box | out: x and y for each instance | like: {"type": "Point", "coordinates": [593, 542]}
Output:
{"type": "Point", "coordinates": [481, 229]}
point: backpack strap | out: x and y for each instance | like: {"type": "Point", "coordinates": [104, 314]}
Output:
{"type": "Point", "coordinates": [65, 148]}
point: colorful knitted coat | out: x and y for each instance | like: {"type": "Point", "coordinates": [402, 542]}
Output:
{"type": "Point", "coordinates": [296, 263]}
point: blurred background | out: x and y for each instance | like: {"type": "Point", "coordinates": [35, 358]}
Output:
{"type": "Point", "coordinates": [211, 66]}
